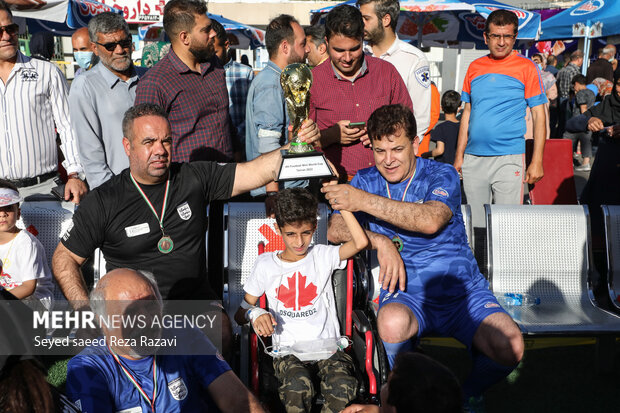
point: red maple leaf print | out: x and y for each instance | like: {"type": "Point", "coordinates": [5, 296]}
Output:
{"type": "Point", "coordinates": [297, 294]}
{"type": "Point", "coordinates": [274, 240]}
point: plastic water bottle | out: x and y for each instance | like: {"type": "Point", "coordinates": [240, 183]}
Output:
{"type": "Point", "coordinates": [517, 300]}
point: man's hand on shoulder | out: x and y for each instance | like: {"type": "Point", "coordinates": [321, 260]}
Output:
{"type": "Point", "coordinates": [75, 189]}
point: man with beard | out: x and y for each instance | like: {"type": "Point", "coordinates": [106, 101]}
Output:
{"type": "Point", "coordinates": [380, 20]}
{"type": "Point", "coordinates": [266, 122]}
{"type": "Point", "coordinates": [119, 376]}
{"type": "Point", "coordinates": [189, 83]}
{"type": "Point", "coordinates": [99, 98]}
{"type": "Point", "coordinates": [34, 107]}
{"type": "Point", "coordinates": [346, 91]}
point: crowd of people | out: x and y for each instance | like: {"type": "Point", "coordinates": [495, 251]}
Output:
{"type": "Point", "coordinates": [146, 151]}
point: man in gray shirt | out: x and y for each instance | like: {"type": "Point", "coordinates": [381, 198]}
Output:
{"type": "Point", "coordinates": [99, 98]}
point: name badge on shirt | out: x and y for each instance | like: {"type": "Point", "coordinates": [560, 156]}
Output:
{"type": "Point", "coordinates": [137, 409]}
{"type": "Point", "coordinates": [135, 230]}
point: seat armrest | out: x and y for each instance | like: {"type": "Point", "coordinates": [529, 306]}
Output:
{"type": "Point", "coordinates": [360, 321]}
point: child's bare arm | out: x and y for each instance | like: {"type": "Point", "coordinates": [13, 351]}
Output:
{"type": "Point", "coordinates": [358, 241]}
{"type": "Point", "coordinates": [24, 290]}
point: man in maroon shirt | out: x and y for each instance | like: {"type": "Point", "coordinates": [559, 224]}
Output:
{"type": "Point", "coordinates": [190, 84]}
{"type": "Point", "coordinates": [348, 89]}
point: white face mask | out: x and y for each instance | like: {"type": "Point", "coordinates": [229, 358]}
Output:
{"type": "Point", "coordinates": [83, 58]}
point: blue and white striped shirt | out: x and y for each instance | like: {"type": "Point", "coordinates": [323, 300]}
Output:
{"type": "Point", "coordinates": [34, 105]}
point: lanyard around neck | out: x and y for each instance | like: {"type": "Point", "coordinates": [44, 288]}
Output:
{"type": "Point", "coordinates": [387, 186]}
{"type": "Point", "coordinates": [160, 220]}
{"type": "Point", "coordinates": [132, 379]}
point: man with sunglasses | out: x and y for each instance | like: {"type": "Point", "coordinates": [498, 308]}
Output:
{"type": "Point", "coordinates": [34, 104]}
{"type": "Point", "coordinates": [491, 146]}
{"type": "Point", "coordinates": [99, 98]}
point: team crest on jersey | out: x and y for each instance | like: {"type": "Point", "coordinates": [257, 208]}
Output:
{"type": "Point", "coordinates": [178, 389]}
{"type": "Point", "coordinates": [491, 304]}
{"type": "Point", "coordinates": [423, 76]}
{"type": "Point", "coordinates": [184, 211]}
{"type": "Point", "coordinates": [29, 75]}
{"type": "Point", "coordinates": [440, 192]}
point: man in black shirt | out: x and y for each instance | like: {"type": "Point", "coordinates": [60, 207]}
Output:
{"type": "Point", "coordinates": [123, 216]}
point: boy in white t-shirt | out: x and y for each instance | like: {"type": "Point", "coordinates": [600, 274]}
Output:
{"type": "Point", "coordinates": [297, 283]}
{"type": "Point", "coordinates": [24, 271]}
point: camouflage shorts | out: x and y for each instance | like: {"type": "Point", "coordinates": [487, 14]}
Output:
{"type": "Point", "coordinates": [337, 376]}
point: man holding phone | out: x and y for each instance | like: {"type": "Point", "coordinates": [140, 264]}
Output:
{"type": "Point", "coordinates": [346, 92]}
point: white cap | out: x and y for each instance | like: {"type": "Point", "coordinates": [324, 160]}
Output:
{"type": "Point", "coordinates": [9, 197]}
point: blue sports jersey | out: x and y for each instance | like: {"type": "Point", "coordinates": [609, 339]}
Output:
{"type": "Point", "coordinates": [439, 266]}
{"type": "Point", "coordinates": [97, 383]}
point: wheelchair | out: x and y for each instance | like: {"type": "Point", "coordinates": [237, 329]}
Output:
{"type": "Point", "coordinates": [247, 233]}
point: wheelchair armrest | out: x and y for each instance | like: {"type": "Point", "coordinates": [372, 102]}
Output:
{"type": "Point", "coordinates": [360, 321]}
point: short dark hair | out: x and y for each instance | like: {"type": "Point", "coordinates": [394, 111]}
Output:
{"type": "Point", "coordinates": [278, 30]}
{"type": "Point", "coordinates": [388, 119]}
{"type": "Point", "coordinates": [179, 15]}
{"type": "Point", "coordinates": [219, 30]}
{"type": "Point", "coordinates": [6, 8]}
{"type": "Point", "coordinates": [107, 22]}
{"type": "Point", "coordinates": [295, 205]}
{"type": "Point", "coordinates": [138, 111]}
{"type": "Point", "coordinates": [581, 79]}
{"type": "Point", "coordinates": [552, 60]}
{"type": "Point", "coordinates": [3, 182]}
{"type": "Point", "coordinates": [420, 384]}
{"type": "Point", "coordinates": [502, 17]}
{"type": "Point", "coordinates": [383, 7]}
{"type": "Point", "coordinates": [316, 33]}
{"type": "Point", "coordinates": [344, 20]}
{"type": "Point", "coordinates": [450, 101]}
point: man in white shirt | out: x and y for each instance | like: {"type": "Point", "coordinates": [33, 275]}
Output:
{"type": "Point", "coordinates": [34, 104]}
{"type": "Point", "coordinates": [380, 20]}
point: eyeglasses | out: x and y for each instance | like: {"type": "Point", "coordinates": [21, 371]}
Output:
{"type": "Point", "coordinates": [494, 36]}
{"type": "Point", "coordinates": [110, 47]}
{"type": "Point", "coordinates": [11, 29]}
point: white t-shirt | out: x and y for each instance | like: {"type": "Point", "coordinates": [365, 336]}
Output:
{"type": "Point", "coordinates": [23, 259]}
{"type": "Point", "coordinates": [299, 294]}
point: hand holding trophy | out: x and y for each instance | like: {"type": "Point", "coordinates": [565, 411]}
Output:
{"type": "Point", "coordinates": [301, 161]}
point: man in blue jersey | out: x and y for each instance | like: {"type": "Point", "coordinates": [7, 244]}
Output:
{"type": "Point", "coordinates": [412, 209]}
{"type": "Point", "coordinates": [120, 376]}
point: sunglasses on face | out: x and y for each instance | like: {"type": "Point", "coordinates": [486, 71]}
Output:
{"type": "Point", "coordinates": [110, 47]}
{"type": "Point", "coordinates": [11, 29]}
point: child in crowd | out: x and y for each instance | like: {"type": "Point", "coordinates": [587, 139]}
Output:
{"type": "Point", "coordinates": [298, 286]}
{"type": "Point", "coordinates": [582, 99]}
{"type": "Point", "coordinates": [24, 271]}
{"type": "Point", "coordinates": [446, 134]}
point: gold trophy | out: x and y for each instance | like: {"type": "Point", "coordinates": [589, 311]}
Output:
{"type": "Point", "coordinates": [301, 161]}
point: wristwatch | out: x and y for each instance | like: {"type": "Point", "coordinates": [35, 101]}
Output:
{"type": "Point", "coordinates": [76, 175]}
